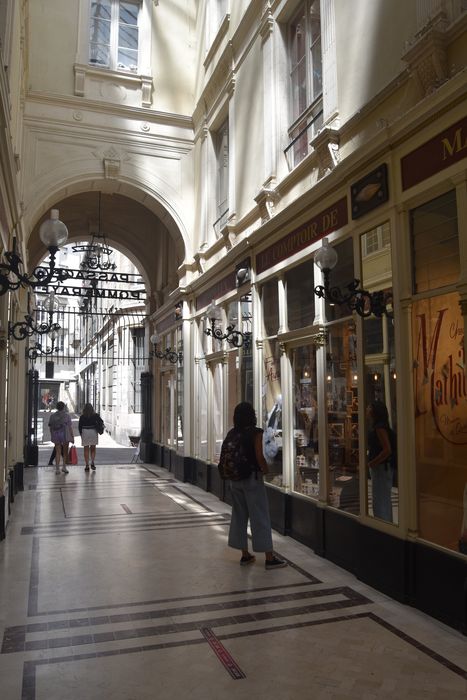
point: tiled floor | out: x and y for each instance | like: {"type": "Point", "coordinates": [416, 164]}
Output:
{"type": "Point", "coordinates": [119, 585]}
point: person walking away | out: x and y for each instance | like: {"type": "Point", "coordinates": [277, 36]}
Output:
{"type": "Point", "coordinates": [89, 425]}
{"type": "Point", "coordinates": [379, 460]}
{"type": "Point", "coordinates": [61, 433]}
{"type": "Point", "coordinates": [65, 446]}
{"type": "Point", "coordinates": [249, 499]}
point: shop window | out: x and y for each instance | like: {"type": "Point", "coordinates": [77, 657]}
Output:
{"type": "Point", "coordinates": [180, 388]}
{"type": "Point", "coordinates": [272, 404]}
{"type": "Point", "coordinates": [306, 79]}
{"type": "Point", "coordinates": [380, 374]}
{"type": "Point", "coordinates": [270, 306]}
{"type": "Point", "coordinates": [306, 453]}
{"type": "Point", "coordinates": [435, 244]}
{"type": "Point", "coordinates": [342, 416]}
{"type": "Point", "coordinates": [440, 393]}
{"type": "Point", "coordinates": [138, 365]}
{"type": "Point", "coordinates": [341, 275]}
{"type": "Point", "coordinates": [201, 413]}
{"type": "Point", "coordinates": [300, 296]}
{"type": "Point", "coordinates": [114, 34]}
{"type": "Point", "coordinates": [217, 410]}
{"type": "Point", "coordinates": [167, 394]}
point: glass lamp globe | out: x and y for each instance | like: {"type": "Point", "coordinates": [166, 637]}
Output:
{"type": "Point", "coordinates": [213, 312]}
{"type": "Point", "coordinates": [154, 339]}
{"type": "Point", "coordinates": [326, 256]}
{"type": "Point", "coordinates": [53, 232]}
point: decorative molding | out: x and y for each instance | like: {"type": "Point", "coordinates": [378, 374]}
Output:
{"type": "Point", "coordinates": [112, 163]}
{"type": "Point", "coordinates": [266, 26]}
{"type": "Point", "coordinates": [221, 32]}
{"type": "Point", "coordinates": [320, 338]}
{"type": "Point", "coordinates": [113, 84]}
{"type": "Point", "coordinates": [326, 146]}
{"type": "Point", "coordinates": [427, 59]}
{"type": "Point", "coordinates": [266, 200]}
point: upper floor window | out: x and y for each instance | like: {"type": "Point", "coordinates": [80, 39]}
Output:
{"type": "Point", "coordinates": [221, 147]}
{"type": "Point", "coordinates": [114, 34]}
{"type": "Point", "coordinates": [306, 79]}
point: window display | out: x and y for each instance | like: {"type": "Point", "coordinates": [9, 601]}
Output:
{"type": "Point", "coordinates": [342, 416]}
{"type": "Point", "coordinates": [306, 456]}
{"type": "Point", "coordinates": [440, 392]}
{"type": "Point", "coordinates": [217, 404]}
{"type": "Point", "coordinates": [272, 404]}
{"type": "Point", "coordinates": [300, 296]}
{"type": "Point", "coordinates": [270, 306]}
{"type": "Point", "coordinates": [380, 378]}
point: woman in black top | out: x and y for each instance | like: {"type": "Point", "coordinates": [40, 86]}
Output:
{"type": "Point", "coordinates": [249, 499]}
{"type": "Point", "coordinates": [88, 424]}
{"type": "Point", "coordinates": [379, 460]}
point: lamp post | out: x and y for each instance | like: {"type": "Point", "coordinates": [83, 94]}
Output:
{"type": "Point", "coordinates": [363, 302]}
{"type": "Point", "coordinates": [53, 233]}
{"type": "Point", "coordinates": [25, 329]}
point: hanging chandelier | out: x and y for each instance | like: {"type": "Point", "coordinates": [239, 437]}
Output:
{"type": "Point", "coordinates": [97, 254]}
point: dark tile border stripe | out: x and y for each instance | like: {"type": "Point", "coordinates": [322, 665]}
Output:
{"type": "Point", "coordinates": [126, 509]}
{"type": "Point", "coordinates": [130, 528]}
{"type": "Point", "coordinates": [222, 654]}
{"type": "Point", "coordinates": [29, 668]}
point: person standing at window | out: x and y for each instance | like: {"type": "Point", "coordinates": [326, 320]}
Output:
{"type": "Point", "coordinates": [88, 426]}
{"type": "Point", "coordinates": [379, 460]}
{"type": "Point", "coordinates": [249, 499]}
{"type": "Point", "coordinates": [61, 433]}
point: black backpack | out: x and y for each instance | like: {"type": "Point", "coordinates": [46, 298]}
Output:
{"type": "Point", "coordinates": [237, 460]}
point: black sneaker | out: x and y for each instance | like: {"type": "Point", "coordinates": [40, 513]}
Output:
{"type": "Point", "coordinates": [93, 466]}
{"type": "Point", "coordinates": [275, 563]}
{"type": "Point", "coordinates": [249, 559]}
{"type": "Point", "coordinates": [86, 468]}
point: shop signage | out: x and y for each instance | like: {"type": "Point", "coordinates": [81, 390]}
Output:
{"type": "Point", "coordinates": [440, 152]}
{"type": "Point", "coordinates": [223, 286]}
{"type": "Point", "coordinates": [322, 224]}
{"type": "Point", "coordinates": [114, 277]}
{"type": "Point", "coordinates": [369, 192]}
{"type": "Point", "coordinates": [94, 292]}
{"type": "Point", "coordinates": [439, 368]}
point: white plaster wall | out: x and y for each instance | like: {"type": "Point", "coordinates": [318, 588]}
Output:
{"type": "Point", "coordinates": [370, 40]}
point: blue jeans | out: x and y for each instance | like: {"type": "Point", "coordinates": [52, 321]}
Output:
{"type": "Point", "coordinates": [249, 501]}
{"type": "Point", "coordinates": [381, 483]}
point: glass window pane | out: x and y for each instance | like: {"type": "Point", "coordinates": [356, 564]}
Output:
{"type": "Point", "coordinates": [300, 296]}
{"type": "Point", "coordinates": [217, 411]}
{"type": "Point", "coordinates": [341, 276]}
{"type": "Point", "coordinates": [380, 377]}
{"type": "Point", "coordinates": [306, 478]}
{"type": "Point", "coordinates": [272, 404]}
{"type": "Point", "coordinates": [128, 12]}
{"type": "Point", "coordinates": [270, 306]}
{"type": "Point", "coordinates": [101, 9]}
{"type": "Point", "coordinates": [440, 420]}
{"type": "Point", "coordinates": [201, 414]}
{"type": "Point", "coordinates": [342, 417]}
{"type": "Point", "coordinates": [435, 243]}
{"type": "Point", "coordinates": [128, 37]}
{"type": "Point", "coordinates": [128, 59]}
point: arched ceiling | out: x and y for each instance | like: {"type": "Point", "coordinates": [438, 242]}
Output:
{"type": "Point", "coordinates": [127, 225]}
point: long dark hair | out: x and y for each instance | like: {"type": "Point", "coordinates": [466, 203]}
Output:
{"type": "Point", "coordinates": [244, 416]}
{"type": "Point", "coordinates": [379, 413]}
{"type": "Point", "coordinates": [88, 410]}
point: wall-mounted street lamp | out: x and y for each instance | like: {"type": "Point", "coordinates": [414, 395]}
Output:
{"type": "Point", "coordinates": [362, 301]}
{"type": "Point", "coordinates": [53, 234]}
{"type": "Point", "coordinates": [25, 329]}
{"type": "Point", "coordinates": [234, 337]}
{"type": "Point", "coordinates": [37, 350]}
{"type": "Point", "coordinates": [169, 354]}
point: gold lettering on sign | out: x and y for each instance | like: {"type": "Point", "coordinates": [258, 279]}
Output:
{"type": "Point", "coordinates": [458, 144]}
{"type": "Point", "coordinates": [439, 368]}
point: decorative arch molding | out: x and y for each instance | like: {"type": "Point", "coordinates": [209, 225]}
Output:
{"type": "Point", "coordinates": [42, 202]}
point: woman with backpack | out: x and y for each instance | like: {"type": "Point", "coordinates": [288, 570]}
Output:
{"type": "Point", "coordinates": [381, 452]}
{"type": "Point", "coordinates": [90, 425]}
{"type": "Point", "coordinates": [243, 446]}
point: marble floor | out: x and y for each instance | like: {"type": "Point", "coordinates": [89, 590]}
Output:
{"type": "Point", "coordinates": [119, 585]}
